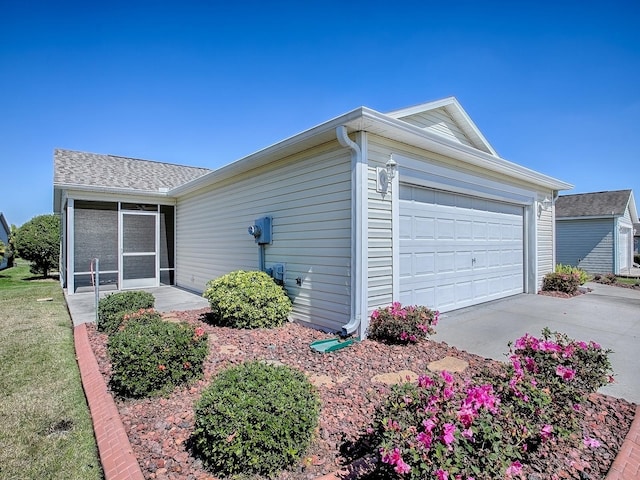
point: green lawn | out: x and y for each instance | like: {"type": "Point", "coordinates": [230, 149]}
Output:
{"type": "Point", "coordinates": [45, 427]}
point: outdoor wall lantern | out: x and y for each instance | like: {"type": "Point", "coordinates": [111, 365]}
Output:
{"type": "Point", "coordinates": [544, 205]}
{"type": "Point", "coordinates": [386, 174]}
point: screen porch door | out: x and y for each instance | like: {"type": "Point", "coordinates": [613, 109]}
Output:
{"type": "Point", "coordinates": [139, 249]}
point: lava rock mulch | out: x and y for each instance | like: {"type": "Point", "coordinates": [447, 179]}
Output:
{"type": "Point", "coordinates": [159, 428]}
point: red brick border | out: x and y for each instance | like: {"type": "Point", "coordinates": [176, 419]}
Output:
{"type": "Point", "coordinates": [116, 455]}
{"type": "Point", "coordinates": [627, 463]}
{"type": "Point", "coordinates": [119, 462]}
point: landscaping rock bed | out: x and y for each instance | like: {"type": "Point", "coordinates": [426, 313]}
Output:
{"type": "Point", "coordinates": [159, 428]}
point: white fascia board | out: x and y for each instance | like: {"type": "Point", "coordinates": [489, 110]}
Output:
{"type": "Point", "coordinates": [317, 135]}
{"type": "Point", "coordinates": [429, 141]}
{"type": "Point", "coordinates": [86, 192]}
{"type": "Point", "coordinates": [368, 120]}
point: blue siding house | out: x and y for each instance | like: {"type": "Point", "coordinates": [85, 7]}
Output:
{"type": "Point", "coordinates": [594, 231]}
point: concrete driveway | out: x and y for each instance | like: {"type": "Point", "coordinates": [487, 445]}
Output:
{"type": "Point", "coordinates": [607, 315]}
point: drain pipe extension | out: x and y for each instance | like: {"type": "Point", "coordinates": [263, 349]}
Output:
{"type": "Point", "coordinates": [356, 246]}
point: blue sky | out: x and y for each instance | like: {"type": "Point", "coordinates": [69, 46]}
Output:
{"type": "Point", "coordinates": [553, 86]}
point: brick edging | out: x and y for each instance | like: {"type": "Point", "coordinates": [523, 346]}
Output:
{"type": "Point", "coordinates": [626, 466]}
{"type": "Point", "coordinates": [116, 454]}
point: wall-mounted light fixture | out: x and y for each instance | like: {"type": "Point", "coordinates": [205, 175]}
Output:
{"type": "Point", "coordinates": [385, 175]}
{"type": "Point", "coordinates": [544, 205]}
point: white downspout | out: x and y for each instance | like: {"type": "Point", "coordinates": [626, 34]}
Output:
{"type": "Point", "coordinates": [356, 226]}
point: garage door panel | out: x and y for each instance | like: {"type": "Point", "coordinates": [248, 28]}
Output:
{"type": "Point", "coordinates": [457, 251]}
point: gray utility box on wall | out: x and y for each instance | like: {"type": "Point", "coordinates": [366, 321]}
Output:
{"type": "Point", "coordinates": [261, 230]}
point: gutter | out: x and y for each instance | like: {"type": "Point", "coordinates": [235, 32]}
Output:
{"type": "Point", "coordinates": [356, 225]}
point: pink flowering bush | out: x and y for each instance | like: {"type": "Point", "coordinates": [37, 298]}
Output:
{"type": "Point", "coordinates": [398, 324]}
{"type": "Point", "coordinates": [442, 428]}
{"type": "Point", "coordinates": [490, 426]}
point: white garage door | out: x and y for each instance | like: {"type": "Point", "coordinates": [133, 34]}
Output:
{"type": "Point", "coordinates": [624, 248]}
{"type": "Point", "coordinates": [456, 250]}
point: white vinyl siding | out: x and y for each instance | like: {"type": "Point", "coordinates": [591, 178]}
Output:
{"type": "Point", "coordinates": [438, 121]}
{"type": "Point", "coordinates": [545, 244]}
{"type": "Point", "coordinates": [309, 198]}
{"type": "Point", "coordinates": [380, 232]}
{"type": "Point", "coordinates": [586, 243]}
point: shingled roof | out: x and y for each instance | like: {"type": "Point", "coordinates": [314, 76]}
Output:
{"type": "Point", "coordinates": [595, 204]}
{"type": "Point", "coordinates": [82, 169]}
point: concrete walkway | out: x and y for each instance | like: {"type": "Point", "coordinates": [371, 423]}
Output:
{"type": "Point", "coordinates": [82, 306]}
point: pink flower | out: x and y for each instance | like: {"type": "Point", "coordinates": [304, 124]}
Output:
{"type": "Point", "coordinates": [447, 377]}
{"type": "Point", "coordinates": [565, 373]}
{"type": "Point", "coordinates": [514, 469]}
{"type": "Point", "coordinates": [395, 458]}
{"type": "Point", "coordinates": [375, 314]}
{"type": "Point", "coordinates": [429, 424]}
{"type": "Point", "coordinates": [402, 468]}
{"type": "Point", "coordinates": [595, 345]}
{"type": "Point", "coordinates": [425, 381]}
{"type": "Point", "coordinates": [199, 331]}
{"type": "Point", "coordinates": [467, 433]}
{"type": "Point", "coordinates": [546, 432]}
{"type": "Point", "coordinates": [425, 438]}
{"type": "Point", "coordinates": [591, 442]}
{"type": "Point", "coordinates": [582, 345]}
{"type": "Point", "coordinates": [442, 474]}
{"type": "Point", "coordinates": [447, 437]}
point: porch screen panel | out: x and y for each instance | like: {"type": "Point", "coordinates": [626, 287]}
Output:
{"type": "Point", "coordinates": [139, 233]}
{"type": "Point", "coordinates": [95, 235]}
{"type": "Point", "coordinates": [138, 267]}
{"type": "Point", "coordinates": [167, 247]}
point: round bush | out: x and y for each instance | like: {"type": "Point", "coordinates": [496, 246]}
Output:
{"type": "Point", "coordinates": [151, 356]}
{"type": "Point", "coordinates": [255, 418]}
{"type": "Point", "coordinates": [247, 300]}
{"type": "Point", "coordinates": [112, 308]}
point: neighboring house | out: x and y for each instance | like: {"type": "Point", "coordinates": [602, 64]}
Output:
{"type": "Point", "coordinates": [5, 231]}
{"type": "Point", "coordinates": [636, 238]}
{"type": "Point", "coordinates": [456, 226]}
{"type": "Point", "coordinates": [595, 231]}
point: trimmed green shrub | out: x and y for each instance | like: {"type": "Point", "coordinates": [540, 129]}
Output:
{"type": "Point", "coordinates": [561, 282]}
{"type": "Point", "coordinates": [255, 418]}
{"type": "Point", "coordinates": [398, 324]}
{"type": "Point", "coordinates": [114, 306]}
{"type": "Point", "coordinates": [150, 356]}
{"type": "Point", "coordinates": [570, 270]}
{"type": "Point", "coordinates": [247, 300]}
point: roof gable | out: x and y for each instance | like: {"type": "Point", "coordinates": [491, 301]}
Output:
{"type": "Point", "coordinates": [82, 169]}
{"type": "Point", "coordinates": [596, 204]}
{"type": "Point", "coordinates": [448, 119]}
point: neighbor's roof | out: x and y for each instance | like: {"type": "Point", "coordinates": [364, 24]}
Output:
{"type": "Point", "coordinates": [4, 223]}
{"type": "Point", "coordinates": [74, 169]}
{"type": "Point", "coordinates": [595, 204]}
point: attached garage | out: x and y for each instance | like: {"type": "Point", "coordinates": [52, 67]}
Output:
{"type": "Point", "coordinates": [458, 250]}
{"type": "Point", "coordinates": [412, 206]}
